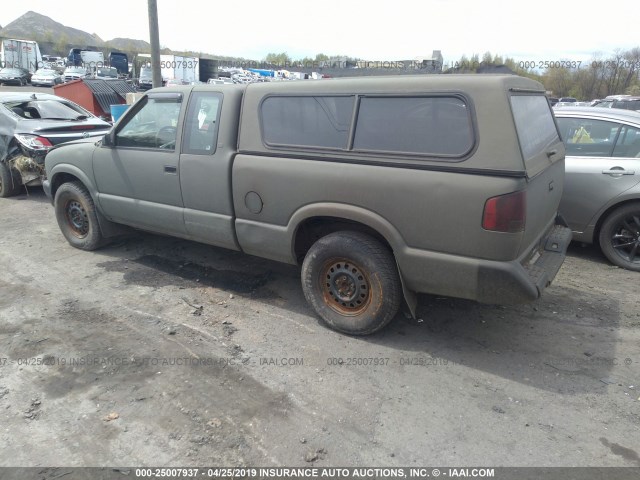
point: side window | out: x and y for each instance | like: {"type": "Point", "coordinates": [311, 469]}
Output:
{"type": "Point", "coordinates": [320, 121]}
{"type": "Point", "coordinates": [585, 137]}
{"type": "Point", "coordinates": [154, 125]}
{"type": "Point", "coordinates": [628, 144]}
{"type": "Point", "coordinates": [421, 125]}
{"type": "Point", "coordinates": [201, 123]}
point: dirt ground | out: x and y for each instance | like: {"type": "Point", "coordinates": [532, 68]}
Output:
{"type": "Point", "coordinates": [163, 352]}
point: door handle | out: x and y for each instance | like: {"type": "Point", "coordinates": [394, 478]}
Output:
{"type": "Point", "coordinates": [170, 169]}
{"type": "Point", "coordinates": [551, 153]}
{"type": "Point", "coordinates": [618, 171]}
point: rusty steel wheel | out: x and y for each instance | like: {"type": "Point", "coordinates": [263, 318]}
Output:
{"type": "Point", "coordinates": [77, 217]}
{"type": "Point", "coordinates": [346, 287]}
{"type": "Point", "coordinates": [352, 282]}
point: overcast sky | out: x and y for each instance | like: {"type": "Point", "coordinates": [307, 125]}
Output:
{"type": "Point", "coordinates": [385, 31]}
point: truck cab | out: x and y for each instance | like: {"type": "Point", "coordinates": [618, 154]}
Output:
{"type": "Point", "coordinates": [120, 62]}
{"type": "Point", "coordinates": [74, 59]}
{"type": "Point", "coordinates": [145, 80]}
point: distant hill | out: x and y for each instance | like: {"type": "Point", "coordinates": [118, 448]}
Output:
{"type": "Point", "coordinates": [33, 26]}
{"type": "Point", "coordinates": [55, 37]}
{"type": "Point", "coordinates": [129, 44]}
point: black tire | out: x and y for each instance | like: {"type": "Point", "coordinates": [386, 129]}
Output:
{"type": "Point", "coordinates": [620, 237]}
{"type": "Point", "coordinates": [77, 217]}
{"type": "Point", "coordinates": [10, 181]}
{"type": "Point", "coordinates": [351, 280]}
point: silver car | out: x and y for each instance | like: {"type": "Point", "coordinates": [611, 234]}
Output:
{"type": "Point", "coordinates": [601, 199]}
{"type": "Point", "coordinates": [46, 77]}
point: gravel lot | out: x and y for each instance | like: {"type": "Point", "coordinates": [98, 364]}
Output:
{"type": "Point", "coordinates": [163, 352]}
{"type": "Point", "coordinates": [157, 351]}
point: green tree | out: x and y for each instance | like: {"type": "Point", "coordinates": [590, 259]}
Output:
{"type": "Point", "coordinates": [280, 59]}
{"type": "Point", "coordinates": [61, 44]}
{"type": "Point", "coordinates": [559, 81]}
{"type": "Point", "coordinates": [633, 90]}
{"type": "Point", "coordinates": [632, 58]}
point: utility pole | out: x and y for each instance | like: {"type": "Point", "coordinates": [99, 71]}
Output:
{"type": "Point", "coordinates": [154, 36]}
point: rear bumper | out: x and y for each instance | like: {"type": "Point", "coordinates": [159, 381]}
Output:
{"type": "Point", "coordinates": [489, 281]}
{"type": "Point", "coordinates": [525, 279]}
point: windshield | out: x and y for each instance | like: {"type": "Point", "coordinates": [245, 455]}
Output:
{"type": "Point", "coordinates": [48, 110]}
{"type": "Point", "coordinates": [107, 72]}
{"type": "Point", "coordinates": [145, 73]}
{"type": "Point", "coordinates": [76, 70]}
{"type": "Point", "coordinates": [46, 73]}
{"type": "Point", "coordinates": [12, 71]}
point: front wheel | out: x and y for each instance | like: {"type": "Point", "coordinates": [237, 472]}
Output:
{"type": "Point", "coordinates": [620, 237]}
{"type": "Point", "coordinates": [77, 216]}
{"type": "Point", "coordinates": [352, 282]}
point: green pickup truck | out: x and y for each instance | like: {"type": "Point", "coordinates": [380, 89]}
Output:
{"type": "Point", "coordinates": [380, 188]}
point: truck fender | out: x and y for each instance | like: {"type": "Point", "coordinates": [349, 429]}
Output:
{"type": "Point", "coordinates": [360, 215]}
{"type": "Point", "coordinates": [68, 169]}
{"type": "Point", "coordinates": [108, 228]}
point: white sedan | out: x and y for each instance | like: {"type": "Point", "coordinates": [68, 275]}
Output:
{"type": "Point", "coordinates": [46, 78]}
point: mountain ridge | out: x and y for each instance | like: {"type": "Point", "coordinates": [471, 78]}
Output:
{"type": "Point", "coordinates": [43, 29]}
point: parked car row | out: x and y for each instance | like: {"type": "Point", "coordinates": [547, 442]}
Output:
{"type": "Point", "coordinates": [220, 81]}
{"type": "Point", "coordinates": [48, 77]}
{"type": "Point", "coordinates": [625, 102]}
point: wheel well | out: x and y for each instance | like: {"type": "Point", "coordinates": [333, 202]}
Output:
{"type": "Point", "coordinates": [603, 217]}
{"type": "Point", "coordinates": [312, 229]}
{"type": "Point", "coordinates": [59, 179]}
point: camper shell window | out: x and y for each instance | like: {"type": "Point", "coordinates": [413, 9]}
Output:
{"type": "Point", "coordinates": [435, 126]}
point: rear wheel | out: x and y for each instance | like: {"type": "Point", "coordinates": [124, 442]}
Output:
{"type": "Point", "coordinates": [352, 282]}
{"type": "Point", "coordinates": [10, 181]}
{"type": "Point", "coordinates": [620, 237]}
{"type": "Point", "coordinates": [77, 217]}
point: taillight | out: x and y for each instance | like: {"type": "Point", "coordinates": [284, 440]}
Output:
{"type": "Point", "coordinates": [34, 142]}
{"type": "Point", "coordinates": [505, 213]}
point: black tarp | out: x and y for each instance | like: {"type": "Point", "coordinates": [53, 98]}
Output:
{"type": "Point", "coordinates": [108, 92]}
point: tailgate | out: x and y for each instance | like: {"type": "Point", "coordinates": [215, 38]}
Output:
{"type": "Point", "coordinates": [543, 197]}
{"type": "Point", "coordinates": [543, 157]}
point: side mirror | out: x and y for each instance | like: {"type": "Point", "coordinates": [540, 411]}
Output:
{"type": "Point", "coordinates": [109, 139]}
